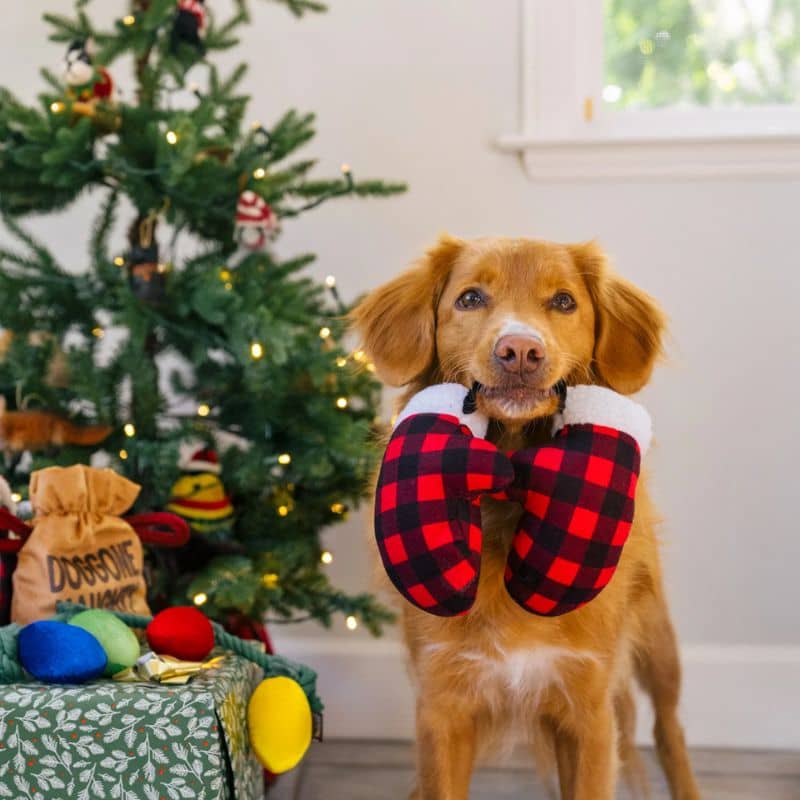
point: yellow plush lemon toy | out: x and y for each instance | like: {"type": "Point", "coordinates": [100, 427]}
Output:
{"type": "Point", "coordinates": [279, 722]}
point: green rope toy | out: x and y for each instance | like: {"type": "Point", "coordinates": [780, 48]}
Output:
{"type": "Point", "coordinates": [11, 670]}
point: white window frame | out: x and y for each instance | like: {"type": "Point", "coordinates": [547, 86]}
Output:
{"type": "Point", "coordinates": [567, 132]}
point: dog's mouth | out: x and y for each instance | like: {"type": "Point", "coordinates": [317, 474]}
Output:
{"type": "Point", "coordinates": [516, 401]}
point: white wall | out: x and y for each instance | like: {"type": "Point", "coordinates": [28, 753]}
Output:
{"type": "Point", "coordinates": [417, 90]}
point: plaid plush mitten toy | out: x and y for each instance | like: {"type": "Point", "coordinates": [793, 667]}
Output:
{"type": "Point", "coordinates": [427, 517]}
{"type": "Point", "coordinates": [578, 497]}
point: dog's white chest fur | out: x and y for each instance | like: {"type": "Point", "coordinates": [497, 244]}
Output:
{"type": "Point", "coordinates": [525, 670]}
{"type": "Point", "coordinates": [506, 673]}
{"type": "Point", "coordinates": [538, 667]}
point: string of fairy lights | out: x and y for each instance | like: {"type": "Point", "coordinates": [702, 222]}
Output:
{"type": "Point", "coordinates": [257, 351]}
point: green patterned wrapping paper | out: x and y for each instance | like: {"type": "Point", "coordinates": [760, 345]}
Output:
{"type": "Point", "coordinates": [131, 741]}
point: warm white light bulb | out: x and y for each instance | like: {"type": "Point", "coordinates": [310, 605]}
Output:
{"type": "Point", "coordinates": [256, 350]}
{"type": "Point", "coordinates": [330, 281]}
{"type": "Point", "coordinates": [172, 137]}
{"type": "Point", "coordinates": [203, 410]}
{"type": "Point", "coordinates": [130, 429]}
{"type": "Point", "coordinates": [259, 173]}
{"type": "Point", "coordinates": [326, 557]}
{"type": "Point", "coordinates": [324, 332]}
{"type": "Point", "coordinates": [351, 622]}
{"type": "Point", "coordinates": [341, 402]}
{"type": "Point", "coordinates": [200, 599]}
{"type": "Point", "coordinates": [284, 458]}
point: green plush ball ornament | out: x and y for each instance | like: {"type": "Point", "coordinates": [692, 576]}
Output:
{"type": "Point", "coordinates": [115, 637]}
{"type": "Point", "coordinates": [279, 722]}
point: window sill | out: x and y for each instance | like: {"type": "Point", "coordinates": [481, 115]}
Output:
{"type": "Point", "coordinates": [647, 156]}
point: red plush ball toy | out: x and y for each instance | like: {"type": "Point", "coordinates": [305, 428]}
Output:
{"type": "Point", "coordinates": [182, 632]}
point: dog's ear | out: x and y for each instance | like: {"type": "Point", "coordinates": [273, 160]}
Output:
{"type": "Point", "coordinates": [397, 322]}
{"type": "Point", "coordinates": [629, 324]}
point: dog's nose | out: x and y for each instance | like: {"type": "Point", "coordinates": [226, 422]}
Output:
{"type": "Point", "coordinates": [519, 354]}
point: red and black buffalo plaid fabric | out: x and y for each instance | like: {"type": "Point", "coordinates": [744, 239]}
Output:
{"type": "Point", "coordinates": [578, 498]}
{"type": "Point", "coordinates": [427, 514]}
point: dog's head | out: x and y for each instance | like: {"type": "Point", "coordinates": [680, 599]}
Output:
{"type": "Point", "coordinates": [515, 315]}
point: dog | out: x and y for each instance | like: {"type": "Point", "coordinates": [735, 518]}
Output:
{"type": "Point", "coordinates": [516, 316]}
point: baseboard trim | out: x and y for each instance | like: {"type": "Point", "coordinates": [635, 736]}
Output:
{"type": "Point", "coordinates": [739, 696]}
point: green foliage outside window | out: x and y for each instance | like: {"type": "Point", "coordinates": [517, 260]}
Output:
{"type": "Point", "coordinates": [701, 52]}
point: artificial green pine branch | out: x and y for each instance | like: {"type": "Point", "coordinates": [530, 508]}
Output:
{"type": "Point", "coordinates": [242, 335]}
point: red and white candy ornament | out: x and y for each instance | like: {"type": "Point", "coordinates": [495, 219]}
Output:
{"type": "Point", "coordinates": [256, 222]}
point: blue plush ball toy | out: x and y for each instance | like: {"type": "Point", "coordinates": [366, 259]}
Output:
{"type": "Point", "coordinates": [59, 653]}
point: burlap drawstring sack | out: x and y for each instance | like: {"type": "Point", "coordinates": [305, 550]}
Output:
{"type": "Point", "coordinates": [80, 549]}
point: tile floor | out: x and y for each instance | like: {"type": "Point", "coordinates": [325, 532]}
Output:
{"type": "Point", "coordinates": [354, 770]}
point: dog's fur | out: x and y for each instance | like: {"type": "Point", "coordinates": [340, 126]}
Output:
{"type": "Point", "coordinates": [564, 683]}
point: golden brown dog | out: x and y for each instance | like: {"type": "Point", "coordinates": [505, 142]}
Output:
{"type": "Point", "coordinates": [518, 315]}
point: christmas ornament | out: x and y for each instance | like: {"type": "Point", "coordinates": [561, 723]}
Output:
{"type": "Point", "coordinates": [39, 430]}
{"type": "Point", "coordinates": [199, 496]}
{"type": "Point", "coordinates": [189, 25]}
{"type": "Point", "coordinates": [182, 632]}
{"type": "Point", "coordinates": [578, 498]}
{"type": "Point", "coordinates": [57, 369]}
{"type": "Point", "coordinates": [248, 628]}
{"type": "Point", "coordinates": [279, 722]}
{"type": "Point", "coordinates": [118, 641]}
{"type": "Point", "coordinates": [577, 493]}
{"type": "Point", "coordinates": [427, 520]}
{"type": "Point", "coordinates": [146, 275]}
{"type": "Point", "coordinates": [256, 222]}
{"type": "Point", "coordinates": [86, 83]}
{"type": "Point", "coordinates": [60, 653]}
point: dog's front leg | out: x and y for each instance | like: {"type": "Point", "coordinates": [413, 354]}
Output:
{"type": "Point", "coordinates": [586, 754]}
{"type": "Point", "coordinates": [446, 739]}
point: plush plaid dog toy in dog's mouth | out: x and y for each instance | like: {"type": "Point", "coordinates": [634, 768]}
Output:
{"type": "Point", "coordinates": [577, 494]}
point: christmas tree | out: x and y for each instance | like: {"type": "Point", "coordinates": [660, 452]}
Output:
{"type": "Point", "coordinates": [217, 380]}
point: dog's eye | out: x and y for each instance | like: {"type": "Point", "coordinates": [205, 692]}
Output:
{"type": "Point", "coordinates": [563, 301]}
{"type": "Point", "coordinates": [470, 299]}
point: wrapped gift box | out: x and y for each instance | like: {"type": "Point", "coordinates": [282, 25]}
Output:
{"type": "Point", "coordinates": [131, 741]}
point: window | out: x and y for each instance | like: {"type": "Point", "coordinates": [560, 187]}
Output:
{"type": "Point", "coordinates": [659, 87]}
{"type": "Point", "coordinates": [684, 53]}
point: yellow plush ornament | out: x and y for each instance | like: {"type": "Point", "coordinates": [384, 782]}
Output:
{"type": "Point", "coordinates": [199, 496]}
{"type": "Point", "coordinates": [280, 725]}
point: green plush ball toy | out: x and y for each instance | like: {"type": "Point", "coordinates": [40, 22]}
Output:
{"type": "Point", "coordinates": [115, 637]}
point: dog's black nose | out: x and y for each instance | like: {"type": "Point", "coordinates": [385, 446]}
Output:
{"type": "Point", "coordinates": [519, 354]}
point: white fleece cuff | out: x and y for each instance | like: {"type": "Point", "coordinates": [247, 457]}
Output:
{"type": "Point", "coordinates": [596, 405]}
{"type": "Point", "coordinates": [445, 398]}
